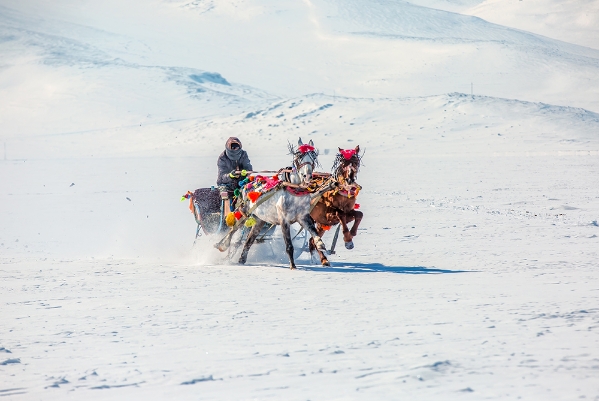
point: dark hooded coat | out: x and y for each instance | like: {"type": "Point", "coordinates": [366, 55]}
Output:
{"type": "Point", "coordinates": [231, 160]}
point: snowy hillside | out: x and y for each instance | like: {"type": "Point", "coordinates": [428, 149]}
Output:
{"type": "Point", "coordinates": [569, 21]}
{"type": "Point", "coordinates": [475, 268]}
{"type": "Point", "coordinates": [73, 86]}
{"type": "Point", "coordinates": [444, 124]}
{"type": "Point", "coordinates": [352, 48]}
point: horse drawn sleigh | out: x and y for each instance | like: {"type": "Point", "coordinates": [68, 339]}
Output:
{"type": "Point", "coordinates": [304, 203]}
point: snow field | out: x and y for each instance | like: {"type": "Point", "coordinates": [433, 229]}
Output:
{"type": "Point", "coordinates": [488, 290]}
{"type": "Point", "coordinates": [235, 332]}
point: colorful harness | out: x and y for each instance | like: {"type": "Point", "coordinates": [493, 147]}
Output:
{"type": "Point", "coordinates": [351, 191]}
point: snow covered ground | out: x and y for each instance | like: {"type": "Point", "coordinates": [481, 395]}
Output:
{"type": "Point", "coordinates": [475, 269]}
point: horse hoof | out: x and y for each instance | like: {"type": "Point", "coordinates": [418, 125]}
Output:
{"type": "Point", "coordinates": [326, 263]}
{"type": "Point", "coordinates": [220, 247]}
{"type": "Point", "coordinates": [349, 245]}
{"type": "Point", "coordinates": [292, 267]}
{"type": "Point", "coordinates": [241, 261]}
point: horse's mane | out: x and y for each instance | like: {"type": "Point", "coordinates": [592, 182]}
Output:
{"type": "Point", "coordinates": [340, 161]}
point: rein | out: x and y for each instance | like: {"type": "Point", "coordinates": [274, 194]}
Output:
{"type": "Point", "coordinates": [283, 170]}
{"type": "Point", "coordinates": [297, 167]}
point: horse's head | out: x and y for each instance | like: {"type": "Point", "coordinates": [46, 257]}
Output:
{"type": "Point", "coordinates": [305, 160]}
{"type": "Point", "coordinates": [347, 165]}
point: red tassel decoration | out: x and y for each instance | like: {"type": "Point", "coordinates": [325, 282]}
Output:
{"type": "Point", "coordinates": [253, 196]}
{"type": "Point", "coordinates": [356, 206]}
{"type": "Point", "coordinates": [238, 214]}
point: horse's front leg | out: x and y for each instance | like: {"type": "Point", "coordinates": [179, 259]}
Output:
{"type": "Point", "coordinates": [357, 215]}
{"type": "Point", "coordinates": [250, 239]}
{"type": "Point", "coordinates": [286, 229]}
{"type": "Point", "coordinates": [347, 237]}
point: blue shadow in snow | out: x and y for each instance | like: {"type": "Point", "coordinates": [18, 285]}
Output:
{"type": "Point", "coordinates": [346, 267]}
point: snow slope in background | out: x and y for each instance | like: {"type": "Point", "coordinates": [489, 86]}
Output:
{"type": "Point", "coordinates": [574, 21]}
{"type": "Point", "coordinates": [443, 124]}
{"type": "Point", "coordinates": [349, 48]}
{"type": "Point", "coordinates": [81, 83]}
{"type": "Point", "coordinates": [425, 51]}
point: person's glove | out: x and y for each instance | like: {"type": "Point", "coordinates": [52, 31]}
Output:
{"type": "Point", "coordinates": [244, 173]}
{"type": "Point", "coordinates": [234, 174]}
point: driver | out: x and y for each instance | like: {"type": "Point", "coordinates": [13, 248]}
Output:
{"type": "Point", "coordinates": [233, 165]}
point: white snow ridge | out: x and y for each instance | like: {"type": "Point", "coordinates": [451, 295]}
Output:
{"type": "Point", "coordinates": [475, 269]}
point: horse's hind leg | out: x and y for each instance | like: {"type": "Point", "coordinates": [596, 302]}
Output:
{"type": "Point", "coordinates": [224, 243]}
{"type": "Point", "coordinates": [312, 246]}
{"type": "Point", "coordinates": [250, 239]}
{"type": "Point", "coordinates": [315, 242]}
{"type": "Point", "coordinates": [285, 227]}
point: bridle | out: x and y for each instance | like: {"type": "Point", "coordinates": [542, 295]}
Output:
{"type": "Point", "coordinates": [345, 167]}
{"type": "Point", "coordinates": [304, 159]}
{"type": "Point", "coordinates": [312, 162]}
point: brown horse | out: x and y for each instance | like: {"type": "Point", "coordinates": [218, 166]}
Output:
{"type": "Point", "coordinates": [339, 205]}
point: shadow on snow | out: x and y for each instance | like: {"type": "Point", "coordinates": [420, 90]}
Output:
{"type": "Point", "coordinates": [347, 267]}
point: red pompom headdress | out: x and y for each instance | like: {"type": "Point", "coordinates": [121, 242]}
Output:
{"type": "Point", "coordinates": [347, 153]}
{"type": "Point", "coordinates": [306, 148]}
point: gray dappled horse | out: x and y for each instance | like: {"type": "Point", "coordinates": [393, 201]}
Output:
{"type": "Point", "coordinates": [282, 207]}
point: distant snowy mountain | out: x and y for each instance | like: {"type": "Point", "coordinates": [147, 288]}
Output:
{"type": "Point", "coordinates": [76, 79]}
{"type": "Point", "coordinates": [419, 50]}
{"type": "Point", "coordinates": [569, 21]}
{"type": "Point", "coordinates": [351, 48]}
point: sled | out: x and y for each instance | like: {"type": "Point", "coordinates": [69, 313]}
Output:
{"type": "Point", "coordinates": [208, 207]}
